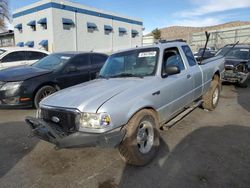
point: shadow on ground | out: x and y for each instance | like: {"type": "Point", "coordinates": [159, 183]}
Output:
{"type": "Point", "coordinates": [14, 144]}
{"type": "Point", "coordinates": [208, 157]}
{"type": "Point", "coordinates": [244, 97]}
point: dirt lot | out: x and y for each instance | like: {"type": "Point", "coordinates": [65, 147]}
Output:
{"type": "Point", "coordinates": [206, 149]}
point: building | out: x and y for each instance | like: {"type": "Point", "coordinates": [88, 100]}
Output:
{"type": "Point", "coordinates": [148, 40]}
{"type": "Point", "coordinates": [58, 25]}
{"type": "Point", "coordinates": [7, 39]}
{"type": "Point", "coordinates": [221, 37]}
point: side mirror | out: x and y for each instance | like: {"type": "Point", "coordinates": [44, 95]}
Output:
{"type": "Point", "coordinates": [172, 69]}
{"type": "Point", "coordinates": [71, 69]}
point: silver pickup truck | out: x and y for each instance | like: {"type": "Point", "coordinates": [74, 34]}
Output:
{"type": "Point", "coordinates": [136, 93]}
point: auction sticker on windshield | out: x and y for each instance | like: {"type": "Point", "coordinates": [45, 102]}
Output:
{"type": "Point", "coordinates": [147, 54]}
{"type": "Point", "coordinates": [244, 50]}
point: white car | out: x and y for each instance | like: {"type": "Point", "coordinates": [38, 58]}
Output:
{"type": "Point", "coordinates": [15, 56]}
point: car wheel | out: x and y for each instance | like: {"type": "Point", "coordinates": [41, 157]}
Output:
{"type": "Point", "coordinates": [43, 92]}
{"type": "Point", "coordinates": [141, 141]}
{"type": "Point", "coordinates": [211, 97]}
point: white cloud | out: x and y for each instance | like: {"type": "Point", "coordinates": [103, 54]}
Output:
{"type": "Point", "coordinates": [212, 6]}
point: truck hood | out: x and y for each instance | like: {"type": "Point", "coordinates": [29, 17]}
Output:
{"type": "Point", "coordinates": [21, 73]}
{"type": "Point", "coordinates": [234, 62]}
{"type": "Point", "coordinates": [90, 96]}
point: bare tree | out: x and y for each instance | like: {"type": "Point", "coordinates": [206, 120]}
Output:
{"type": "Point", "coordinates": [4, 13]}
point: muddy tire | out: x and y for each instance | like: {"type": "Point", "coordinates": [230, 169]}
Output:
{"type": "Point", "coordinates": [141, 141]}
{"type": "Point", "coordinates": [42, 93]}
{"type": "Point", "coordinates": [211, 97]}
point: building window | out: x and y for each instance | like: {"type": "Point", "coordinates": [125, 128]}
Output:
{"type": "Point", "coordinates": [43, 23]}
{"type": "Point", "coordinates": [20, 44]}
{"type": "Point", "coordinates": [32, 24]}
{"type": "Point", "coordinates": [67, 23]}
{"type": "Point", "coordinates": [91, 27]}
{"type": "Point", "coordinates": [122, 31]}
{"type": "Point", "coordinates": [108, 29]}
{"type": "Point", "coordinates": [30, 44]}
{"type": "Point", "coordinates": [134, 33]}
{"type": "Point", "coordinates": [19, 27]}
{"type": "Point", "coordinates": [44, 44]}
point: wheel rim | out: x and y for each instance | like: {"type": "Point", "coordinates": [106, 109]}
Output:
{"type": "Point", "coordinates": [215, 96]}
{"type": "Point", "coordinates": [145, 136]}
{"type": "Point", "coordinates": [45, 94]}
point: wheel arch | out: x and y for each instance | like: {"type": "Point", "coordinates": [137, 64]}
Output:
{"type": "Point", "coordinates": [53, 84]}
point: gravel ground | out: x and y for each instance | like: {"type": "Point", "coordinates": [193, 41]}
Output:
{"type": "Point", "coordinates": [205, 149]}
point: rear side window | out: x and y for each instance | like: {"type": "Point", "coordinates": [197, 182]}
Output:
{"type": "Point", "coordinates": [35, 55]}
{"type": "Point", "coordinates": [14, 56]}
{"type": "Point", "coordinates": [189, 55]}
{"type": "Point", "coordinates": [98, 59]}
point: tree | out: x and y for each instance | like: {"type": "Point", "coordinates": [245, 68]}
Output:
{"type": "Point", "coordinates": [4, 13]}
{"type": "Point", "coordinates": [157, 34]}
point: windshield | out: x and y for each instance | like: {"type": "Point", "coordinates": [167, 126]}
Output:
{"type": "Point", "coordinates": [2, 51]}
{"type": "Point", "coordinates": [52, 62]}
{"type": "Point", "coordinates": [134, 63]}
{"type": "Point", "coordinates": [235, 53]}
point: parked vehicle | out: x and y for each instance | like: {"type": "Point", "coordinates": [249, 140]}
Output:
{"type": "Point", "coordinates": [28, 85]}
{"type": "Point", "coordinates": [209, 52]}
{"type": "Point", "coordinates": [15, 56]}
{"type": "Point", "coordinates": [237, 64]}
{"type": "Point", "coordinates": [137, 92]}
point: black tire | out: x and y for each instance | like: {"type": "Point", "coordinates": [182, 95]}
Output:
{"type": "Point", "coordinates": [42, 93]}
{"type": "Point", "coordinates": [209, 101]}
{"type": "Point", "coordinates": [130, 150]}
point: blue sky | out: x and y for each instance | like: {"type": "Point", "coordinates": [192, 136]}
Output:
{"type": "Point", "coordinates": [163, 13]}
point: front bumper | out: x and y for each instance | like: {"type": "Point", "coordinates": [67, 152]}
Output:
{"type": "Point", "coordinates": [234, 77]}
{"type": "Point", "coordinates": [49, 132]}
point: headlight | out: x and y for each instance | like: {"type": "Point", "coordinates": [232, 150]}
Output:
{"type": "Point", "coordinates": [93, 121]}
{"type": "Point", "coordinates": [11, 86]}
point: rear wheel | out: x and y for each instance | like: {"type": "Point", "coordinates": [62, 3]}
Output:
{"type": "Point", "coordinates": [141, 141]}
{"type": "Point", "coordinates": [211, 97]}
{"type": "Point", "coordinates": [43, 92]}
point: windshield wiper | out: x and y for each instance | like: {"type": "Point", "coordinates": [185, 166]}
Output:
{"type": "Point", "coordinates": [125, 75]}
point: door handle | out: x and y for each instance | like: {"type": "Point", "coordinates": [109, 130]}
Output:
{"type": "Point", "coordinates": [189, 76]}
{"type": "Point", "coordinates": [157, 93]}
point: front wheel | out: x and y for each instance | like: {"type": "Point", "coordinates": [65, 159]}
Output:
{"type": "Point", "coordinates": [211, 97]}
{"type": "Point", "coordinates": [141, 141]}
{"type": "Point", "coordinates": [43, 92]}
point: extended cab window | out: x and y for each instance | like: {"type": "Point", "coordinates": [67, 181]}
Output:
{"type": "Point", "coordinates": [172, 57]}
{"type": "Point", "coordinates": [189, 55]}
{"type": "Point", "coordinates": [14, 56]}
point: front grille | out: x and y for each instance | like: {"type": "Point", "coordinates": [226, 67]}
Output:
{"type": "Point", "coordinates": [66, 118]}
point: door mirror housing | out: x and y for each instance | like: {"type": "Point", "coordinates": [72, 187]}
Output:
{"type": "Point", "coordinates": [171, 70]}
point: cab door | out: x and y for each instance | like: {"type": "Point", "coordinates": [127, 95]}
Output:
{"type": "Point", "coordinates": [175, 90]}
{"type": "Point", "coordinates": [14, 59]}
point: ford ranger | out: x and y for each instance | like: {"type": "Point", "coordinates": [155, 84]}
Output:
{"type": "Point", "coordinates": [136, 93]}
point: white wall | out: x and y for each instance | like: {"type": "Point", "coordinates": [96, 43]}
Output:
{"type": "Point", "coordinates": [78, 37]}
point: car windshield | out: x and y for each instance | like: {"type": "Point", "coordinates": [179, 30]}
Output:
{"type": "Point", "coordinates": [235, 53]}
{"type": "Point", "coordinates": [134, 63]}
{"type": "Point", "coordinates": [2, 51]}
{"type": "Point", "coordinates": [52, 62]}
